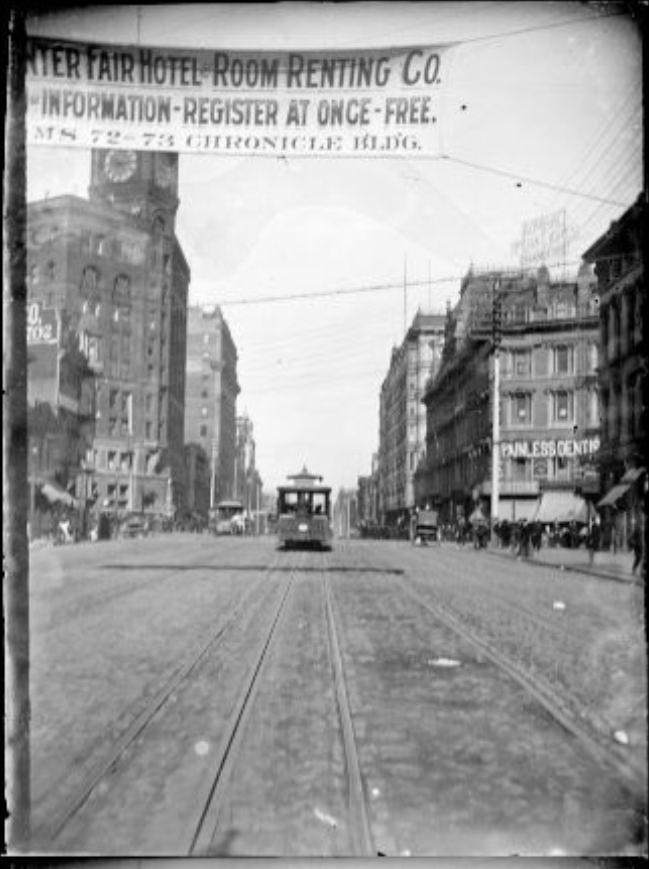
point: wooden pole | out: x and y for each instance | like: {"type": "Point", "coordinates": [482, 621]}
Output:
{"type": "Point", "coordinates": [16, 488]}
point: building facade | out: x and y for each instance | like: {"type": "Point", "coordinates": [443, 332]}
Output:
{"type": "Point", "coordinates": [548, 398]}
{"type": "Point", "coordinates": [112, 267]}
{"type": "Point", "coordinates": [247, 482]}
{"type": "Point", "coordinates": [402, 419]}
{"type": "Point", "coordinates": [197, 477]}
{"type": "Point", "coordinates": [60, 420]}
{"type": "Point", "coordinates": [211, 396]}
{"type": "Point", "coordinates": [619, 265]}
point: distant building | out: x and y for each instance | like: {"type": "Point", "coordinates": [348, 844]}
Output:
{"type": "Point", "coordinates": [112, 268]}
{"type": "Point", "coordinates": [619, 266]}
{"type": "Point", "coordinates": [211, 395]}
{"type": "Point", "coordinates": [345, 513]}
{"type": "Point", "coordinates": [402, 418]}
{"type": "Point", "coordinates": [197, 476]}
{"type": "Point", "coordinates": [548, 402]}
{"type": "Point", "coordinates": [247, 482]}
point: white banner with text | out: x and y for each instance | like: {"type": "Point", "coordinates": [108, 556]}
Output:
{"type": "Point", "coordinates": [379, 102]}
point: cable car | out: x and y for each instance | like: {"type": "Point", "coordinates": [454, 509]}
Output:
{"type": "Point", "coordinates": [227, 518]}
{"type": "Point", "coordinates": [304, 512]}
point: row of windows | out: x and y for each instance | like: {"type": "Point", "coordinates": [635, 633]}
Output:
{"type": "Point", "coordinates": [561, 408]}
{"type": "Point", "coordinates": [522, 470]}
{"type": "Point", "coordinates": [518, 363]}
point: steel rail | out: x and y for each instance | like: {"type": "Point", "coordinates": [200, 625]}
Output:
{"type": "Point", "coordinates": [49, 831]}
{"type": "Point", "coordinates": [211, 798]}
{"type": "Point", "coordinates": [628, 775]}
{"type": "Point", "coordinates": [361, 833]}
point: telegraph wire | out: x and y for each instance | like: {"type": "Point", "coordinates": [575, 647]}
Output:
{"type": "Point", "coordinates": [534, 181]}
{"type": "Point", "coordinates": [537, 27]}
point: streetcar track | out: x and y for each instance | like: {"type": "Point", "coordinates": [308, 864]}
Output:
{"type": "Point", "coordinates": [50, 831]}
{"type": "Point", "coordinates": [212, 798]}
{"type": "Point", "coordinates": [629, 776]}
{"type": "Point", "coordinates": [361, 833]}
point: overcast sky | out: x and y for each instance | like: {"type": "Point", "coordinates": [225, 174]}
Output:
{"type": "Point", "coordinates": [541, 112]}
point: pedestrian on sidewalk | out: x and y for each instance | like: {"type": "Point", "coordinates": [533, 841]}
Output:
{"type": "Point", "coordinates": [593, 540]}
{"type": "Point", "coordinates": [635, 544]}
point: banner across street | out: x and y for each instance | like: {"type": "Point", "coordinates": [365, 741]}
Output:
{"type": "Point", "coordinates": [329, 103]}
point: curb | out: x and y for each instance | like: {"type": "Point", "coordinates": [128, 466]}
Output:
{"type": "Point", "coordinates": [596, 574]}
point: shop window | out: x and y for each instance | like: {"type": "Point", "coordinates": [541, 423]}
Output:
{"type": "Point", "coordinates": [562, 468]}
{"type": "Point", "coordinates": [519, 470]}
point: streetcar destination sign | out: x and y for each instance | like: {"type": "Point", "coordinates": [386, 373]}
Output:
{"type": "Point", "coordinates": [331, 103]}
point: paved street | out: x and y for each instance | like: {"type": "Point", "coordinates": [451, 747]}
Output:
{"type": "Point", "coordinates": [217, 696]}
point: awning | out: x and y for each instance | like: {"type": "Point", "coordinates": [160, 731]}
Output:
{"type": "Point", "coordinates": [56, 495]}
{"type": "Point", "coordinates": [633, 474]}
{"type": "Point", "coordinates": [561, 507]}
{"type": "Point", "coordinates": [515, 509]}
{"type": "Point", "coordinates": [613, 495]}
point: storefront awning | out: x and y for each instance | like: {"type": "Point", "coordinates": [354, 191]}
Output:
{"type": "Point", "coordinates": [633, 474]}
{"type": "Point", "coordinates": [613, 495]}
{"type": "Point", "coordinates": [515, 509]}
{"type": "Point", "coordinates": [56, 495]}
{"type": "Point", "coordinates": [561, 507]}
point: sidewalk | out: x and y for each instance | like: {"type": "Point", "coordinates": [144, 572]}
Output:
{"type": "Point", "coordinates": [610, 565]}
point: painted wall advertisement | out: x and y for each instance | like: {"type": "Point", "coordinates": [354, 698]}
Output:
{"type": "Point", "coordinates": [379, 102]}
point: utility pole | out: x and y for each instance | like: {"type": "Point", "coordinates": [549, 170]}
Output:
{"type": "Point", "coordinates": [495, 422]}
{"type": "Point", "coordinates": [15, 584]}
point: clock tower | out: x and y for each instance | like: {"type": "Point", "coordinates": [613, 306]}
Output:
{"type": "Point", "coordinates": [143, 184]}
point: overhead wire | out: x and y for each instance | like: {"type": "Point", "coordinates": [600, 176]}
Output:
{"type": "Point", "coordinates": [524, 178]}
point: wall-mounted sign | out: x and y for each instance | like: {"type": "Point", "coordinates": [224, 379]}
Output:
{"type": "Point", "coordinates": [329, 103]}
{"type": "Point", "coordinates": [42, 324]}
{"type": "Point", "coordinates": [549, 448]}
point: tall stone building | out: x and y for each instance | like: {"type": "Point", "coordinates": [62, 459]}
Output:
{"type": "Point", "coordinates": [618, 256]}
{"type": "Point", "coordinates": [211, 396]}
{"type": "Point", "coordinates": [402, 417]}
{"type": "Point", "coordinates": [114, 270]}
{"type": "Point", "coordinates": [247, 482]}
{"type": "Point", "coordinates": [547, 403]}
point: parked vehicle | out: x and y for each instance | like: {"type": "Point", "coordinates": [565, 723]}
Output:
{"type": "Point", "coordinates": [227, 518]}
{"type": "Point", "coordinates": [426, 527]}
{"type": "Point", "coordinates": [134, 527]}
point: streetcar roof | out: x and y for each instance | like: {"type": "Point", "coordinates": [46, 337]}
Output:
{"type": "Point", "coordinates": [302, 487]}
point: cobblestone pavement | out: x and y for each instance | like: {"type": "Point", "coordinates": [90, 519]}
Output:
{"type": "Point", "coordinates": [455, 758]}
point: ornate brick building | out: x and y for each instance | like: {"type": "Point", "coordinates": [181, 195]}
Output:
{"type": "Point", "coordinates": [548, 399]}
{"type": "Point", "coordinates": [402, 419]}
{"type": "Point", "coordinates": [211, 396]}
{"type": "Point", "coordinates": [113, 269]}
{"type": "Point", "coordinates": [618, 256]}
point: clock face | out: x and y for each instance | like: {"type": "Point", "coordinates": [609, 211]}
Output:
{"type": "Point", "coordinates": [120, 165]}
{"type": "Point", "coordinates": [165, 170]}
